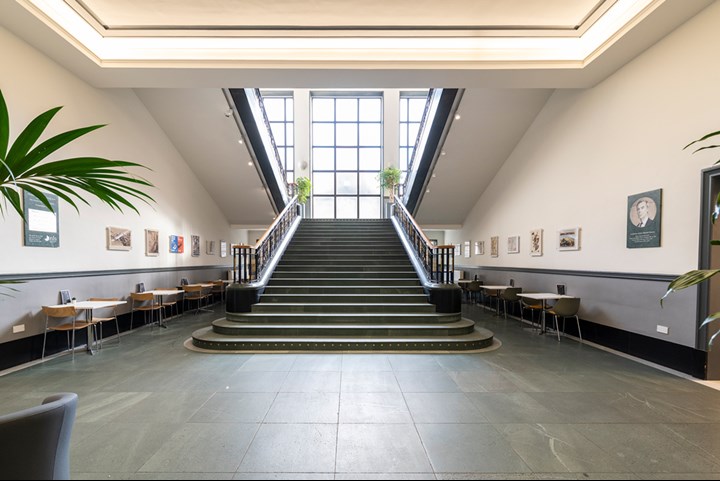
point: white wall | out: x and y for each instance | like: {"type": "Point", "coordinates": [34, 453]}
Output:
{"type": "Point", "coordinates": [32, 84]}
{"type": "Point", "coordinates": [589, 149]}
{"type": "Point", "coordinates": [35, 84]}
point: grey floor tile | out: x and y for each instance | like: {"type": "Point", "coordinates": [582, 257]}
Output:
{"type": "Point", "coordinates": [383, 476]}
{"type": "Point", "coordinates": [230, 407]}
{"type": "Point", "coordinates": [647, 448]}
{"type": "Point", "coordinates": [162, 407]}
{"type": "Point", "coordinates": [705, 437]}
{"type": "Point", "coordinates": [514, 407]}
{"type": "Point", "coordinates": [78, 475]}
{"type": "Point", "coordinates": [413, 362]}
{"type": "Point", "coordinates": [292, 448]}
{"type": "Point", "coordinates": [181, 476]}
{"type": "Point", "coordinates": [418, 381]}
{"type": "Point", "coordinates": [315, 381]}
{"type": "Point", "coordinates": [557, 448]}
{"type": "Point", "coordinates": [469, 448]}
{"type": "Point", "coordinates": [680, 476]}
{"type": "Point", "coordinates": [317, 362]}
{"type": "Point", "coordinates": [374, 408]}
{"type": "Point", "coordinates": [582, 407]}
{"type": "Point", "coordinates": [487, 380]}
{"type": "Point", "coordinates": [256, 381]}
{"type": "Point", "coordinates": [318, 408]}
{"type": "Point", "coordinates": [365, 362]}
{"type": "Point", "coordinates": [361, 381]}
{"type": "Point", "coordinates": [203, 448]}
{"type": "Point", "coordinates": [118, 448]}
{"type": "Point", "coordinates": [269, 362]}
{"type": "Point", "coordinates": [380, 448]}
{"type": "Point", "coordinates": [272, 476]}
{"type": "Point", "coordinates": [463, 362]}
{"type": "Point", "coordinates": [443, 408]}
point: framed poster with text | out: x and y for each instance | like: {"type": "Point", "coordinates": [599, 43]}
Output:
{"type": "Point", "coordinates": [42, 228]}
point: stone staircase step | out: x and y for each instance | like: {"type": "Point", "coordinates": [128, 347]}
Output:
{"type": "Point", "coordinates": [345, 268]}
{"type": "Point", "coordinates": [344, 281]}
{"type": "Point", "coordinates": [363, 308]}
{"type": "Point", "coordinates": [397, 274]}
{"type": "Point", "coordinates": [365, 290]}
{"type": "Point", "coordinates": [341, 317]}
{"type": "Point", "coordinates": [295, 298]}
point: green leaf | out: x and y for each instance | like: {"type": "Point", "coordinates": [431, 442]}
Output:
{"type": "Point", "coordinates": [705, 148]}
{"type": "Point", "coordinates": [14, 198]}
{"type": "Point", "coordinates": [28, 137]}
{"type": "Point", "coordinates": [712, 134]}
{"type": "Point", "coordinates": [51, 145]}
{"type": "Point", "coordinates": [689, 279]}
{"type": "Point", "coordinates": [4, 127]}
{"type": "Point", "coordinates": [709, 319]}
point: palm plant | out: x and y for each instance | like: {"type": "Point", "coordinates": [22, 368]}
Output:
{"type": "Point", "coordinates": [25, 167]}
{"type": "Point", "coordinates": [389, 178]}
{"type": "Point", "coordinates": [303, 189]}
{"type": "Point", "coordinates": [698, 276]}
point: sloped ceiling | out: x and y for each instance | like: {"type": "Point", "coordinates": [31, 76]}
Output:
{"type": "Point", "coordinates": [180, 83]}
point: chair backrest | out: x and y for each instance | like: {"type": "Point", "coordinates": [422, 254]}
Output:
{"type": "Point", "coordinates": [141, 296]}
{"type": "Point", "coordinates": [36, 441]}
{"type": "Point", "coordinates": [67, 311]}
{"type": "Point", "coordinates": [511, 294]}
{"type": "Point", "coordinates": [192, 289]}
{"type": "Point", "coordinates": [474, 286]}
{"type": "Point", "coordinates": [526, 301]}
{"type": "Point", "coordinates": [567, 306]}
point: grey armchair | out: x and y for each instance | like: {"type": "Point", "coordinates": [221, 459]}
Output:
{"type": "Point", "coordinates": [36, 441]}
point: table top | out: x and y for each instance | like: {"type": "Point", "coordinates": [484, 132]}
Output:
{"type": "Point", "coordinates": [84, 305]}
{"type": "Point", "coordinates": [540, 296]}
{"type": "Point", "coordinates": [165, 292]}
{"type": "Point", "coordinates": [495, 288]}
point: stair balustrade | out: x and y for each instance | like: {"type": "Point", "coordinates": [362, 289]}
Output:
{"type": "Point", "coordinates": [249, 262]}
{"type": "Point", "coordinates": [438, 261]}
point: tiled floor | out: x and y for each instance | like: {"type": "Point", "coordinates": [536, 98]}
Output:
{"type": "Point", "coordinates": [533, 409]}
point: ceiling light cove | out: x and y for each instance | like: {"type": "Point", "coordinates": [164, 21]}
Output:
{"type": "Point", "coordinates": [450, 46]}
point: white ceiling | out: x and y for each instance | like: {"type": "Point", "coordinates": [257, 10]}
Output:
{"type": "Point", "coordinates": [116, 46]}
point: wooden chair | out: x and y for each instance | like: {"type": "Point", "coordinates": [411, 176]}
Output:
{"type": "Point", "coordinates": [534, 305]}
{"type": "Point", "coordinates": [194, 293]}
{"type": "Point", "coordinates": [111, 315]}
{"type": "Point", "coordinates": [145, 302]}
{"type": "Point", "coordinates": [218, 288]}
{"type": "Point", "coordinates": [65, 313]}
{"type": "Point", "coordinates": [169, 300]}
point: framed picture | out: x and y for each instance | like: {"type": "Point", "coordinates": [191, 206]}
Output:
{"type": "Point", "coordinates": [195, 245]}
{"type": "Point", "coordinates": [513, 244]}
{"type": "Point", "coordinates": [152, 242]}
{"type": "Point", "coordinates": [479, 248]}
{"type": "Point", "coordinates": [466, 249]}
{"type": "Point", "coordinates": [458, 249]}
{"type": "Point", "coordinates": [536, 242]}
{"type": "Point", "coordinates": [569, 239]}
{"type": "Point", "coordinates": [42, 228]}
{"type": "Point", "coordinates": [177, 244]}
{"type": "Point", "coordinates": [210, 247]}
{"type": "Point", "coordinates": [223, 248]}
{"type": "Point", "coordinates": [494, 244]}
{"type": "Point", "coordinates": [119, 239]}
{"type": "Point", "coordinates": [643, 219]}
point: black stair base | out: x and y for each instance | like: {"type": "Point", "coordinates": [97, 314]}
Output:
{"type": "Point", "coordinates": [325, 296]}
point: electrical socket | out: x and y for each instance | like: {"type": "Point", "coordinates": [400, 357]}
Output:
{"type": "Point", "coordinates": [18, 328]}
{"type": "Point", "coordinates": [663, 329]}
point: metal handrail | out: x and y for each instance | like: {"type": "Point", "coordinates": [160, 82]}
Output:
{"type": "Point", "coordinates": [438, 261]}
{"type": "Point", "coordinates": [249, 262]}
{"type": "Point", "coordinates": [266, 121]}
{"type": "Point", "coordinates": [421, 127]}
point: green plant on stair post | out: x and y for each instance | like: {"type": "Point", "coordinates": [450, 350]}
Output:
{"type": "Point", "coordinates": [389, 179]}
{"type": "Point", "coordinates": [698, 276]}
{"type": "Point", "coordinates": [303, 185]}
{"type": "Point", "coordinates": [25, 167]}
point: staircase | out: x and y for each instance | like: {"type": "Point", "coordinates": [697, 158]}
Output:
{"type": "Point", "coordinates": [344, 285]}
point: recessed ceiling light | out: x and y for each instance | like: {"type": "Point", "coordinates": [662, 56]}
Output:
{"type": "Point", "coordinates": [250, 163]}
{"type": "Point", "coordinates": [434, 175]}
{"type": "Point", "coordinates": [442, 152]}
{"type": "Point", "coordinates": [427, 191]}
{"type": "Point", "coordinates": [240, 141]}
{"type": "Point", "coordinates": [457, 116]}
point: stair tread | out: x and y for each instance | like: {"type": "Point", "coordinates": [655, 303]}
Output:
{"type": "Point", "coordinates": [242, 325]}
{"type": "Point", "coordinates": [343, 314]}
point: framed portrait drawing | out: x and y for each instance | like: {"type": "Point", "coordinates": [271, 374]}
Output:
{"type": "Point", "coordinates": [458, 249]}
{"type": "Point", "coordinates": [119, 239]}
{"type": "Point", "coordinates": [479, 248]}
{"type": "Point", "coordinates": [210, 247]}
{"type": "Point", "coordinates": [466, 249]}
{"type": "Point", "coordinates": [569, 239]}
{"type": "Point", "coordinates": [494, 241]}
{"type": "Point", "coordinates": [643, 219]}
{"type": "Point", "coordinates": [177, 244]}
{"type": "Point", "coordinates": [223, 248]}
{"type": "Point", "coordinates": [195, 245]}
{"type": "Point", "coordinates": [513, 245]}
{"type": "Point", "coordinates": [536, 242]}
{"type": "Point", "coordinates": [152, 242]}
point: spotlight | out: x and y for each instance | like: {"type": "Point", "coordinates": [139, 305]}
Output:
{"type": "Point", "coordinates": [228, 113]}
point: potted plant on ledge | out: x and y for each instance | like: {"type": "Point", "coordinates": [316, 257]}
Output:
{"type": "Point", "coordinates": [303, 186]}
{"type": "Point", "coordinates": [389, 179]}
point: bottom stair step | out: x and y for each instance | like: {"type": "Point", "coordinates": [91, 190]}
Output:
{"type": "Point", "coordinates": [232, 328]}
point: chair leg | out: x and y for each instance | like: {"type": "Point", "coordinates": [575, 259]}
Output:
{"type": "Point", "coordinates": [557, 330]}
{"type": "Point", "coordinates": [578, 325]}
{"type": "Point", "coordinates": [44, 338]}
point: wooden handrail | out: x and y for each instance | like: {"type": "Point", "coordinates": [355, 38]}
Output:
{"type": "Point", "coordinates": [290, 204]}
{"type": "Point", "coordinates": [417, 227]}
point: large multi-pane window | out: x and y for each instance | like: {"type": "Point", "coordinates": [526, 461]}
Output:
{"type": "Point", "coordinates": [412, 106]}
{"type": "Point", "coordinates": [279, 109]}
{"type": "Point", "coordinates": [347, 148]}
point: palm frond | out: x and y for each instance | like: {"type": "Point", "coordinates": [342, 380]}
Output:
{"type": "Point", "coordinates": [704, 137]}
{"type": "Point", "coordinates": [689, 279]}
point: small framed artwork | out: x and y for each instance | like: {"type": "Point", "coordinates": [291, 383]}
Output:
{"type": "Point", "coordinates": [479, 248]}
{"type": "Point", "coordinates": [466, 249]}
{"type": "Point", "coordinates": [177, 244]}
{"type": "Point", "coordinates": [195, 245]}
{"type": "Point", "coordinates": [536, 242]}
{"type": "Point", "coordinates": [643, 219]}
{"type": "Point", "coordinates": [513, 245]}
{"type": "Point", "coordinates": [119, 239]}
{"type": "Point", "coordinates": [494, 246]}
{"type": "Point", "coordinates": [223, 248]}
{"type": "Point", "coordinates": [458, 249]}
{"type": "Point", "coordinates": [569, 239]}
{"type": "Point", "coordinates": [152, 242]}
{"type": "Point", "coordinates": [210, 247]}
